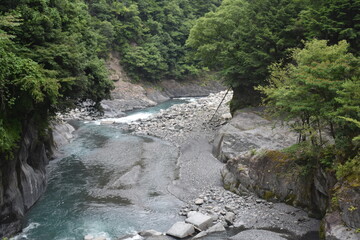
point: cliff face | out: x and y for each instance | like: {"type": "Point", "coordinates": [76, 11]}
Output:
{"type": "Point", "coordinates": [22, 180]}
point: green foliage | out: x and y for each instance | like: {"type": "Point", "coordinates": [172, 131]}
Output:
{"type": "Point", "coordinates": [150, 35]}
{"type": "Point", "coordinates": [24, 87]}
{"type": "Point", "coordinates": [241, 38]}
{"type": "Point", "coordinates": [52, 52]}
{"type": "Point", "coordinates": [318, 94]}
{"type": "Point", "coordinates": [350, 171]}
{"type": "Point", "coordinates": [49, 62]}
{"type": "Point", "coordinates": [308, 88]}
{"type": "Point", "coordinates": [333, 20]}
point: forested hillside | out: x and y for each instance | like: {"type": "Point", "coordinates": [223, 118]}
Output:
{"type": "Point", "coordinates": [53, 51]}
{"type": "Point", "coordinates": [302, 59]}
{"type": "Point", "coordinates": [242, 38]}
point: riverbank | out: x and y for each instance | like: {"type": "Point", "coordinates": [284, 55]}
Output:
{"type": "Point", "coordinates": [192, 127]}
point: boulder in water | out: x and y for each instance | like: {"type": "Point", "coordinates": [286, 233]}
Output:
{"type": "Point", "coordinates": [89, 237]}
{"type": "Point", "coordinates": [181, 230]}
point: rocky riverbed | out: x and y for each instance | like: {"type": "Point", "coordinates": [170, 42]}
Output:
{"type": "Point", "coordinates": [183, 122]}
{"type": "Point", "coordinates": [192, 128]}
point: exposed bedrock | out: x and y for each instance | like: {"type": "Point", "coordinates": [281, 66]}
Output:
{"type": "Point", "coordinates": [23, 180]}
{"type": "Point", "coordinates": [250, 145]}
{"type": "Point", "coordinates": [23, 177]}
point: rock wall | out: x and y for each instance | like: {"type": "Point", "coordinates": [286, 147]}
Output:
{"type": "Point", "coordinates": [23, 180]}
{"type": "Point", "coordinates": [246, 131]}
{"type": "Point", "coordinates": [275, 177]}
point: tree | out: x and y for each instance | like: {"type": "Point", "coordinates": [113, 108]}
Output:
{"type": "Point", "coordinates": [333, 20]}
{"type": "Point", "coordinates": [150, 35]}
{"type": "Point", "coordinates": [319, 91]}
{"type": "Point", "coordinates": [242, 38]}
{"type": "Point", "coordinates": [25, 87]}
{"type": "Point", "coordinates": [48, 63]}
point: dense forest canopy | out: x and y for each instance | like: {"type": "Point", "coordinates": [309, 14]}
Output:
{"type": "Point", "coordinates": [150, 35]}
{"type": "Point", "coordinates": [53, 52]}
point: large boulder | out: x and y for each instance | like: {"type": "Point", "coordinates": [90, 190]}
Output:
{"type": "Point", "coordinates": [247, 131]}
{"type": "Point", "coordinates": [199, 220]}
{"type": "Point", "coordinates": [343, 216]}
{"type": "Point", "coordinates": [181, 230]}
{"type": "Point", "coordinates": [62, 133]}
{"type": "Point", "coordinates": [250, 146]}
{"type": "Point", "coordinates": [334, 228]}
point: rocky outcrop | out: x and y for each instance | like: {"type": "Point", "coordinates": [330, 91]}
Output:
{"type": "Point", "coordinates": [343, 216]}
{"type": "Point", "coordinates": [249, 131]}
{"type": "Point", "coordinates": [274, 176]}
{"type": "Point", "coordinates": [250, 146]}
{"type": "Point", "coordinates": [61, 134]}
{"type": "Point", "coordinates": [23, 180]}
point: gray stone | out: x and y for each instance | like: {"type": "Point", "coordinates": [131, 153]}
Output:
{"type": "Point", "coordinates": [62, 133]}
{"type": "Point", "coordinates": [214, 217]}
{"type": "Point", "coordinates": [159, 238]}
{"type": "Point", "coordinates": [23, 179]}
{"type": "Point", "coordinates": [200, 235]}
{"type": "Point", "coordinates": [216, 228]}
{"type": "Point", "coordinates": [200, 221]}
{"type": "Point", "coordinates": [248, 130]}
{"type": "Point", "coordinates": [336, 230]}
{"type": "Point", "coordinates": [199, 201]}
{"type": "Point", "coordinates": [89, 237]}
{"type": "Point", "coordinates": [100, 238]}
{"type": "Point", "coordinates": [181, 230]}
{"type": "Point", "coordinates": [230, 217]}
{"type": "Point", "coordinates": [230, 208]}
{"type": "Point", "coordinates": [258, 235]}
{"type": "Point", "coordinates": [191, 213]}
{"type": "Point", "coordinates": [149, 233]}
{"type": "Point", "coordinates": [226, 116]}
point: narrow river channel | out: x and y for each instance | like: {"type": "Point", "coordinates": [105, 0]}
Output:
{"type": "Point", "coordinates": [107, 183]}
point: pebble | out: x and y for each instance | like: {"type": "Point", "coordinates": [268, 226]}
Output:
{"type": "Point", "coordinates": [176, 123]}
{"type": "Point", "coordinates": [199, 201]}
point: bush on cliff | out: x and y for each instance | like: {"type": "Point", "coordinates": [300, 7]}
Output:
{"type": "Point", "coordinates": [318, 95]}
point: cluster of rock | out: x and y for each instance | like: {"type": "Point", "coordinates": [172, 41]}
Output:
{"type": "Point", "coordinates": [181, 121]}
{"type": "Point", "coordinates": [216, 210]}
{"type": "Point", "coordinates": [247, 211]}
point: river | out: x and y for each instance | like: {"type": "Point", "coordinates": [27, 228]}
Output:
{"type": "Point", "coordinates": [107, 183]}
